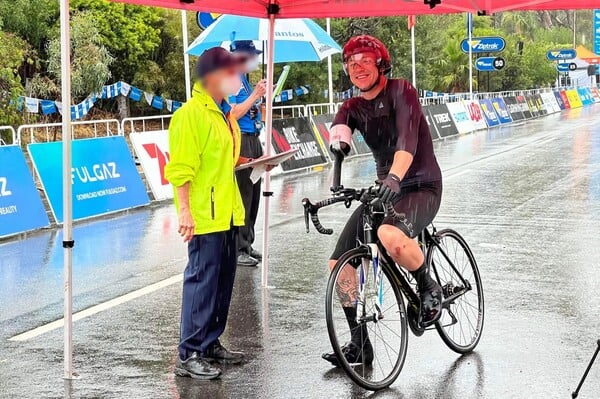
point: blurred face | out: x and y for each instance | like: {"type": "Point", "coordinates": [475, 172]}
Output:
{"type": "Point", "coordinates": [363, 70]}
{"type": "Point", "coordinates": [251, 64]}
{"type": "Point", "coordinates": [223, 82]}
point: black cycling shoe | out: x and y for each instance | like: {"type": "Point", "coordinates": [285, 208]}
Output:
{"type": "Point", "coordinates": [217, 353]}
{"type": "Point", "coordinates": [353, 354]}
{"type": "Point", "coordinates": [255, 254]}
{"type": "Point", "coordinates": [197, 368]}
{"type": "Point", "coordinates": [431, 304]}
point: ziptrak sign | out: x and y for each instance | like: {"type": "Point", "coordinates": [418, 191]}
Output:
{"type": "Point", "coordinates": [104, 176]}
{"type": "Point", "coordinates": [21, 207]}
{"type": "Point", "coordinates": [490, 64]}
{"type": "Point", "coordinates": [490, 44]}
{"type": "Point", "coordinates": [152, 150]}
{"type": "Point", "coordinates": [561, 55]}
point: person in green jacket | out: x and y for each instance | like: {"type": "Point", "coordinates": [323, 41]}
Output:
{"type": "Point", "coordinates": [204, 142]}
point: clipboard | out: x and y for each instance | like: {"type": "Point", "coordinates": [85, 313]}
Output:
{"type": "Point", "coordinates": [265, 161]}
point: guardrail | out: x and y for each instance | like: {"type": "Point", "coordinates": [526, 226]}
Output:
{"type": "Point", "coordinates": [103, 127]}
{"type": "Point", "coordinates": [146, 123]}
{"type": "Point", "coordinates": [289, 111]}
{"type": "Point", "coordinates": [13, 134]}
{"type": "Point", "coordinates": [321, 108]}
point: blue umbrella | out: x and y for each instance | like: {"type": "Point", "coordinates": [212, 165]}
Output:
{"type": "Point", "coordinates": [295, 39]}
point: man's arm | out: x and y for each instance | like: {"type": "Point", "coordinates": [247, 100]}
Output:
{"type": "Point", "coordinates": [240, 109]}
{"type": "Point", "coordinates": [186, 222]}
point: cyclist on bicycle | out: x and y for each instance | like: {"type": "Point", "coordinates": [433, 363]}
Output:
{"type": "Point", "coordinates": [389, 116]}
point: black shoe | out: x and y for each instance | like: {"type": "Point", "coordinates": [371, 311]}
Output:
{"type": "Point", "coordinates": [431, 305]}
{"type": "Point", "coordinates": [255, 254]}
{"type": "Point", "coordinates": [246, 260]}
{"type": "Point", "coordinates": [219, 354]}
{"type": "Point", "coordinates": [197, 368]}
{"type": "Point", "coordinates": [353, 354]}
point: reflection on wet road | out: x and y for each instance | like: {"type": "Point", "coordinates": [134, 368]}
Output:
{"type": "Point", "coordinates": [527, 199]}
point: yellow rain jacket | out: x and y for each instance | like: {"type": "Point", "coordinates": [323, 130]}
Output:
{"type": "Point", "coordinates": [204, 146]}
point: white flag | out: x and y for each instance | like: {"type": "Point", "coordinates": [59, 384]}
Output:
{"type": "Point", "coordinates": [32, 104]}
{"type": "Point", "coordinates": [148, 97]}
{"type": "Point", "coordinates": [125, 87]}
{"type": "Point", "coordinates": [170, 105]}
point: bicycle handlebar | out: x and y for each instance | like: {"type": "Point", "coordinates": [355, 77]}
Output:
{"type": "Point", "coordinates": [313, 209]}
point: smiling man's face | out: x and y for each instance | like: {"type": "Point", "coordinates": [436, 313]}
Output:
{"type": "Point", "coordinates": [363, 70]}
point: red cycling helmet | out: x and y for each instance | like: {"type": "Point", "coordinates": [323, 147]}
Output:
{"type": "Point", "coordinates": [366, 43]}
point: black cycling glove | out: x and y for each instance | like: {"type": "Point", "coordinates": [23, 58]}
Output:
{"type": "Point", "coordinates": [389, 188]}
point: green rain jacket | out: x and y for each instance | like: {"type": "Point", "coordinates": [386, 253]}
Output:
{"type": "Point", "coordinates": [204, 146]}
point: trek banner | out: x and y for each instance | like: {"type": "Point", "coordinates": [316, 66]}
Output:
{"type": "Point", "coordinates": [501, 111]}
{"type": "Point", "coordinates": [491, 117]}
{"type": "Point", "coordinates": [21, 207]}
{"type": "Point", "coordinates": [296, 133]}
{"type": "Point", "coordinates": [441, 119]}
{"type": "Point", "coordinates": [152, 150]}
{"type": "Point", "coordinates": [432, 129]}
{"type": "Point", "coordinates": [104, 176]}
{"type": "Point", "coordinates": [514, 108]}
{"type": "Point", "coordinates": [524, 107]}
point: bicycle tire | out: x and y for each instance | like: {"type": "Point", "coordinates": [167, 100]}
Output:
{"type": "Point", "coordinates": [477, 286]}
{"type": "Point", "coordinates": [353, 255]}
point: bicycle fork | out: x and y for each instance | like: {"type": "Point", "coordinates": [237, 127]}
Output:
{"type": "Point", "coordinates": [363, 273]}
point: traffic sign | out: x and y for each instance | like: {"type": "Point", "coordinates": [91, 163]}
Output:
{"type": "Point", "coordinates": [489, 64]}
{"type": "Point", "coordinates": [489, 44]}
{"type": "Point", "coordinates": [560, 55]}
{"type": "Point", "coordinates": [566, 67]}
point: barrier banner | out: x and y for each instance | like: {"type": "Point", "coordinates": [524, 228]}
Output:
{"type": "Point", "coordinates": [432, 130]}
{"type": "Point", "coordinates": [475, 114]}
{"type": "Point", "coordinates": [550, 102]}
{"type": "Point", "coordinates": [535, 112]}
{"type": "Point", "coordinates": [461, 119]}
{"type": "Point", "coordinates": [296, 133]}
{"type": "Point", "coordinates": [491, 117]}
{"type": "Point", "coordinates": [514, 108]}
{"type": "Point", "coordinates": [441, 119]}
{"type": "Point", "coordinates": [585, 95]}
{"type": "Point", "coordinates": [559, 100]}
{"type": "Point", "coordinates": [574, 99]}
{"type": "Point", "coordinates": [595, 94]}
{"type": "Point", "coordinates": [105, 178]}
{"type": "Point", "coordinates": [524, 107]}
{"type": "Point", "coordinates": [358, 141]}
{"type": "Point", "coordinates": [501, 110]}
{"type": "Point", "coordinates": [540, 104]}
{"type": "Point", "coordinates": [21, 207]}
{"type": "Point", "coordinates": [565, 99]}
{"type": "Point", "coordinates": [152, 150]}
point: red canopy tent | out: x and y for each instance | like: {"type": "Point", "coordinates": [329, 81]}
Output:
{"type": "Point", "coordinates": [262, 9]}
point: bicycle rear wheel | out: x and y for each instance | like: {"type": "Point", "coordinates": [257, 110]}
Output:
{"type": "Point", "coordinates": [453, 264]}
{"type": "Point", "coordinates": [387, 331]}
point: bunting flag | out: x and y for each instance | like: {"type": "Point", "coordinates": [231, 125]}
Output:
{"type": "Point", "coordinates": [157, 102]}
{"type": "Point", "coordinates": [48, 107]}
{"type": "Point", "coordinates": [412, 21]}
{"type": "Point", "coordinates": [58, 106]}
{"type": "Point", "coordinates": [125, 88]}
{"type": "Point", "coordinates": [135, 94]}
{"type": "Point", "coordinates": [148, 97]}
{"type": "Point", "coordinates": [169, 105]}
{"type": "Point", "coordinates": [287, 95]}
{"type": "Point", "coordinates": [176, 105]}
{"type": "Point", "coordinates": [32, 104]}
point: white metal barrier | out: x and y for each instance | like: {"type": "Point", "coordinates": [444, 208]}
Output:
{"type": "Point", "coordinates": [321, 108]}
{"type": "Point", "coordinates": [13, 134]}
{"type": "Point", "coordinates": [145, 123]}
{"type": "Point", "coordinates": [103, 127]}
{"type": "Point", "coordinates": [289, 111]}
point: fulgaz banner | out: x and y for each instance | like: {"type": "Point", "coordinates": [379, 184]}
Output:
{"type": "Point", "coordinates": [460, 117]}
{"type": "Point", "coordinates": [105, 178]}
{"type": "Point", "coordinates": [501, 110]}
{"type": "Point", "coordinates": [21, 207]}
{"type": "Point", "coordinates": [297, 134]}
{"type": "Point", "coordinates": [491, 117]}
{"type": "Point", "coordinates": [152, 150]}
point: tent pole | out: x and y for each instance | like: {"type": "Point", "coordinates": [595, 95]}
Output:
{"type": "Point", "coordinates": [329, 71]}
{"type": "Point", "coordinates": [268, 130]}
{"type": "Point", "coordinates": [413, 55]}
{"type": "Point", "coordinates": [186, 56]}
{"type": "Point", "coordinates": [65, 60]}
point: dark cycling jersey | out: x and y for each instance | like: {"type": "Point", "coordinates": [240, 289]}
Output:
{"type": "Point", "coordinates": [394, 121]}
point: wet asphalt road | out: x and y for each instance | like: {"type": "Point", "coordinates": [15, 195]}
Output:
{"type": "Point", "coordinates": [526, 198]}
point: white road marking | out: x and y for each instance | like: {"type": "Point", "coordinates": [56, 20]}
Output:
{"type": "Point", "coordinates": [463, 172]}
{"type": "Point", "coordinates": [98, 308]}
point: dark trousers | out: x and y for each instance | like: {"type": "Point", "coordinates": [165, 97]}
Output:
{"type": "Point", "coordinates": [250, 148]}
{"type": "Point", "coordinates": [207, 287]}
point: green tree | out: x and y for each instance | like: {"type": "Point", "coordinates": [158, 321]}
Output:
{"type": "Point", "coordinates": [12, 53]}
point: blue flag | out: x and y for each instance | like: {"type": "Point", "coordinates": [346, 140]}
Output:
{"type": "Point", "coordinates": [135, 94]}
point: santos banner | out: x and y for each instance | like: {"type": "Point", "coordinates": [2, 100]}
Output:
{"type": "Point", "coordinates": [491, 117]}
{"type": "Point", "coordinates": [104, 176]}
{"type": "Point", "coordinates": [297, 134]}
{"type": "Point", "coordinates": [152, 150]}
{"type": "Point", "coordinates": [460, 117]}
{"type": "Point", "coordinates": [21, 207]}
{"type": "Point", "coordinates": [501, 111]}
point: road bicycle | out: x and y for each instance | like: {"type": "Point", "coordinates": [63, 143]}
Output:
{"type": "Point", "coordinates": [383, 287]}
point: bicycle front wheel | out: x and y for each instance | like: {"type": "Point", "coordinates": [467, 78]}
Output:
{"type": "Point", "coordinates": [451, 261]}
{"type": "Point", "coordinates": [381, 325]}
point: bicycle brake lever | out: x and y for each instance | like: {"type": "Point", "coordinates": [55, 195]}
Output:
{"type": "Point", "coordinates": [306, 205]}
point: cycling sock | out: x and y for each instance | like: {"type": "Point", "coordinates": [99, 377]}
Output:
{"type": "Point", "coordinates": [358, 332]}
{"type": "Point", "coordinates": [423, 278]}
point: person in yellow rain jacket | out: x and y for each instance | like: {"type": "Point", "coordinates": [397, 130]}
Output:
{"type": "Point", "coordinates": [204, 142]}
